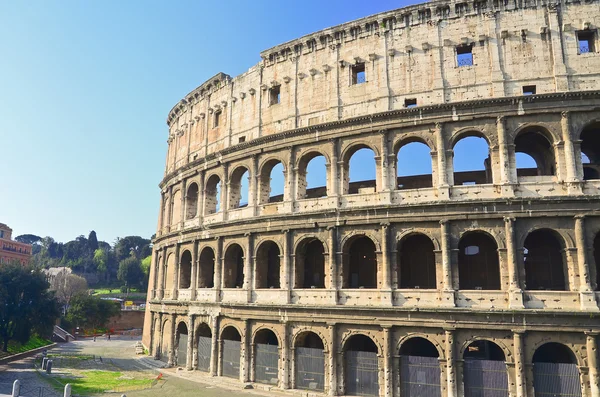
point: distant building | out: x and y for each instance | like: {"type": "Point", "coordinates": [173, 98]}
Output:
{"type": "Point", "coordinates": [11, 250]}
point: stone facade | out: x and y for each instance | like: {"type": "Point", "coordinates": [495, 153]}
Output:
{"type": "Point", "coordinates": [474, 269]}
{"type": "Point", "coordinates": [11, 250]}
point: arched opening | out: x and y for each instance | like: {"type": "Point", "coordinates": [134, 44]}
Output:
{"type": "Point", "coordinates": [361, 372]}
{"type": "Point", "coordinates": [212, 195]}
{"type": "Point", "coordinates": [544, 261]}
{"type": "Point", "coordinates": [312, 176]}
{"type": "Point", "coordinates": [419, 368]}
{"type": "Point", "coordinates": [233, 274]}
{"type": "Point", "coordinates": [416, 262]}
{"type": "Point", "coordinates": [310, 264]}
{"type": "Point", "coordinates": [484, 370]}
{"type": "Point", "coordinates": [169, 275]}
{"type": "Point", "coordinates": [272, 182]}
{"type": "Point", "coordinates": [472, 161]}
{"type": "Point", "coordinates": [590, 151]}
{"type": "Point", "coordinates": [266, 357]}
{"type": "Point", "coordinates": [204, 347]}
{"type": "Point", "coordinates": [238, 188]}
{"type": "Point", "coordinates": [414, 166]}
{"type": "Point", "coordinates": [267, 266]}
{"type": "Point", "coordinates": [534, 143]}
{"type": "Point", "coordinates": [555, 371]}
{"type": "Point", "coordinates": [181, 340]}
{"type": "Point", "coordinates": [176, 208]}
{"type": "Point", "coordinates": [360, 263]}
{"type": "Point", "coordinates": [310, 362]}
{"type": "Point", "coordinates": [191, 201]}
{"type": "Point", "coordinates": [360, 171]}
{"type": "Point", "coordinates": [597, 260]}
{"type": "Point", "coordinates": [206, 275]}
{"type": "Point", "coordinates": [185, 270]}
{"type": "Point", "coordinates": [478, 265]}
{"type": "Point", "coordinates": [232, 342]}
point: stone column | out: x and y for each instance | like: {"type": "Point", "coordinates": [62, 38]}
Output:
{"type": "Point", "coordinates": [561, 77]}
{"type": "Point", "coordinates": [253, 185]}
{"type": "Point", "coordinates": [386, 285]}
{"type": "Point", "coordinates": [388, 389]}
{"type": "Point", "coordinates": [252, 366]}
{"type": "Point", "coordinates": [503, 151]}
{"type": "Point", "coordinates": [592, 352]}
{"type": "Point", "coordinates": [450, 370]}
{"type": "Point", "coordinates": [332, 273]}
{"type": "Point", "coordinates": [183, 204]}
{"type": "Point", "coordinates": [448, 287]}
{"type": "Point", "coordinates": [194, 273]}
{"type": "Point", "coordinates": [284, 377]}
{"type": "Point", "coordinates": [248, 266]}
{"type": "Point", "coordinates": [284, 270]}
{"type": "Point", "coordinates": [519, 365]}
{"type": "Point", "coordinates": [570, 160]}
{"type": "Point", "coordinates": [331, 360]}
{"type": "Point", "coordinates": [171, 361]}
{"type": "Point", "coordinates": [442, 182]}
{"type": "Point", "coordinates": [334, 171]}
{"type": "Point", "coordinates": [586, 293]}
{"type": "Point", "coordinates": [383, 165]}
{"type": "Point", "coordinates": [289, 189]}
{"type": "Point", "coordinates": [189, 361]}
{"type": "Point", "coordinates": [216, 349]}
{"type": "Point", "coordinates": [160, 286]}
{"type": "Point", "coordinates": [217, 280]}
{"type": "Point", "coordinates": [515, 292]}
{"type": "Point", "coordinates": [245, 359]}
{"type": "Point", "coordinates": [176, 275]}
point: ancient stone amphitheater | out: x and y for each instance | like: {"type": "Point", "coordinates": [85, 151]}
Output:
{"type": "Point", "coordinates": [477, 283]}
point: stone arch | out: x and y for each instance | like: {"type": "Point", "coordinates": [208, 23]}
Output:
{"type": "Point", "coordinates": [199, 326]}
{"type": "Point", "coordinates": [565, 238]}
{"type": "Point", "coordinates": [267, 264]}
{"type": "Point", "coordinates": [233, 266]}
{"type": "Point", "coordinates": [406, 338]}
{"type": "Point", "coordinates": [305, 329]}
{"type": "Point", "coordinates": [404, 140]}
{"type": "Point", "coordinates": [590, 149]}
{"type": "Point", "coordinates": [264, 327]}
{"type": "Point", "coordinates": [417, 170]}
{"type": "Point", "coordinates": [303, 162]}
{"type": "Point", "coordinates": [407, 232]}
{"type": "Point", "coordinates": [545, 264]}
{"type": "Point", "coordinates": [355, 146]}
{"type": "Point", "coordinates": [185, 270]}
{"type": "Point", "coordinates": [358, 233]}
{"type": "Point", "coordinates": [309, 259]}
{"type": "Point", "coordinates": [508, 356]}
{"type": "Point", "coordinates": [191, 201]}
{"type": "Point", "coordinates": [471, 175]}
{"type": "Point", "coordinates": [538, 143]}
{"type": "Point", "coordinates": [347, 335]}
{"type": "Point", "coordinates": [416, 266]}
{"type": "Point", "coordinates": [478, 261]}
{"type": "Point", "coordinates": [212, 193]}
{"type": "Point", "coordinates": [206, 267]}
{"type": "Point", "coordinates": [466, 132]}
{"type": "Point", "coordinates": [228, 324]}
{"type": "Point", "coordinates": [352, 187]}
{"type": "Point", "coordinates": [236, 190]}
{"type": "Point", "coordinates": [580, 361]}
{"type": "Point", "coordinates": [298, 240]}
{"type": "Point", "coordinates": [360, 262]}
{"type": "Point", "coordinates": [265, 187]}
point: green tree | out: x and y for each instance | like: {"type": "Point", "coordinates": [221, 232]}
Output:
{"type": "Point", "coordinates": [101, 260]}
{"type": "Point", "coordinates": [91, 312]}
{"type": "Point", "coordinates": [130, 272]}
{"type": "Point", "coordinates": [136, 245]}
{"type": "Point", "coordinates": [28, 239]}
{"type": "Point", "coordinates": [92, 241]}
{"type": "Point", "coordinates": [26, 304]}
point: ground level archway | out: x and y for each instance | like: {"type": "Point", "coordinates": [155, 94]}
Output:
{"type": "Point", "coordinates": [309, 362]}
{"type": "Point", "coordinates": [204, 354]}
{"type": "Point", "coordinates": [484, 370]}
{"type": "Point", "coordinates": [231, 352]}
{"type": "Point", "coordinates": [266, 357]}
{"type": "Point", "coordinates": [555, 371]}
{"type": "Point", "coordinates": [361, 369]}
{"type": "Point", "coordinates": [419, 369]}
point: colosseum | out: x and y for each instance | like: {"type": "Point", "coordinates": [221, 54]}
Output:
{"type": "Point", "coordinates": [479, 282]}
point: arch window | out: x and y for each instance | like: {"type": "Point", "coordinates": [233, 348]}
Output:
{"type": "Point", "coordinates": [207, 268]}
{"type": "Point", "coordinates": [590, 151]}
{"type": "Point", "coordinates": [230, 360]}
{"type": "Point", "coordinates": [360, 171]}
{"type": "Point", "coordinates": [267, 266]}
{"type": "Point", "coordinates": [185, 270]}
{"type": "Point", "coordinates": [212, 195]}
{"type": "Point", "coordinates": [310, 362]}
{"type": "Point", "coordinates": [361, 367]}
{"type": "Point", "coordinates": [544, 261]}
{"type": "Point", "coordinates": [555, 371]}
{"type": "Point", "coordinates": [312, 176]}
{"type": "Point", "coordinates": [360, 270]}
{"type": "Point", "coordinates": [272, 182]}
{"type": "Point", "coordinates": [182, 341]}
{"type": "Point", "coordinates": [238, 188]}
{"type": "Point", "coordinates": [266, 357]}
{"type": "Point", "coordinates": [478, 265]}
{"type": "Point", "coordinates": [472, 161]}
{"type": "Point", "coordinates": [534, 154]}
{"type": "Point", "coordinates": [419, 368]}
{"type": "Point", "coordinates": [416, 262]}
{"type": "Point", "coordinates": [310, 264]}
{"type": "Point", "coordinates": [484, 370]}
{"type": "Point", "coordinates": [191, 201]}
{"type": "Point", "coordinates": [233, 276]}
{"type": "Point", "coordinates": [204, 347]}
{"type": "Point", "coordinates": [414, 169]}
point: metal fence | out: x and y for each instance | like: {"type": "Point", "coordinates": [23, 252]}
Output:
{"type": "Point", "coordinates": [310, 368]}
{"type": "Point", "coordinates": [420, 376]}
{"type": "Point", "coordinates": [556, 380]}
{"type": "Point", "coordinates": [362, 373]}
{"type": "Point", "coordinates": [485, 378]}
{"type": "Point", "coordinates": [266, 363]}
{"type": "Point", "coordinates": [204, 353]}
{"type": "Point", "coordinates": [231, 358]}
{"type": "Point", "coordinates": [182, 350]}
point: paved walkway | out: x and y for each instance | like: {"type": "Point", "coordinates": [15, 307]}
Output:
{"type": "Point", "coordinates": [23, 370]}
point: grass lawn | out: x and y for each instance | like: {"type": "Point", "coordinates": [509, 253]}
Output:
{"type": "Point", "coordinates": [91, 382]}
{"type": "Point", "coordinates": [116, 292]}
{"type": "Point", "coordinates": [15, 347]}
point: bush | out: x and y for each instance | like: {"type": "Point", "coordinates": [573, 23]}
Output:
{"type": "Point", "coordinates": [124, 289]}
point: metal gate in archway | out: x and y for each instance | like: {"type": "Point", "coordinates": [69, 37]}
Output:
{"type": "Point", "coordinates": [204, 353]}
{"type": "Point", "coordinates": [266, 363]}
{"type": "Point", "coordinates": [485, 378]}
{"type": "Point", "coordinates": [231, 358]}
{"type": "Point", "coordinates": [420, 376]}
{"type": "Point", "coordinates": [310, 368]}
{"type": "Point", "coordinates": [362, 373]}
{"type": "Point", "coordinates": [182, 350]}
{"type": "Point", "coordinates": [556, 380]}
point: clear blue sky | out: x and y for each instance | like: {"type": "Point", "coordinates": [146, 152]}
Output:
{"type": "Point", "coordinates": [85, 88]}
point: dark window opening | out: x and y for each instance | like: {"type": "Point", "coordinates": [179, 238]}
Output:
{"type": "Point", "coordinates": [275, 95]}
{"type": "Point", "coordinates": [464, 55]}
{"type": "Point", "coordinates": [212, 195]}
{"type": "Point", "coordinates": [360, 343]}
{"type": "Point", "coordinates": [416, 262]}
{"type": "Point", "coordinates": [585, 41]}
{"type": "Point", "coordinates": [419, 347]}
{"type": "Point", "coordinates": [590, 151]}
{"type": "Point", "coordinates": [309, 340]}
{"type": "Point", "coordinates": [358, 73]}
{"type": "Point", "coordinates": [216, 118]}
{"type": "Point", "coordinates": [529, 90]}
{"type": "Point", "coordinates": [207, 268]}
{"type": "Point", "coordinates": [544, 262]}
{"type": "Point", "coordinates": [484, 350]}
{"type": "Point", "coordinates": [233, 276]}
{"type": "Point", "coordinates": [238, 188]}
{"type": "Point", "coordinates": [361, 264]}
{"type": "Point", "coordinates": [536, 146]}
{"type": "Point", "coordinates": [310, 265]}
{"type": "Point", "coordinates": [191, 201]}
{"type": "Point", "coordinates": [230, 333]}
{"type": "Point", "coordinates": [410, 102]}
{"type": "Point", "coordinates": [242, 139]}
{"type": "Point", "coordinates": [555, 353]}
{"type": "Point", "coordinates": [267, 266]}
{"type": "Point", "coordinates": [185, 270]}
{"type": "Point", "coordinates": [478, 265]}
